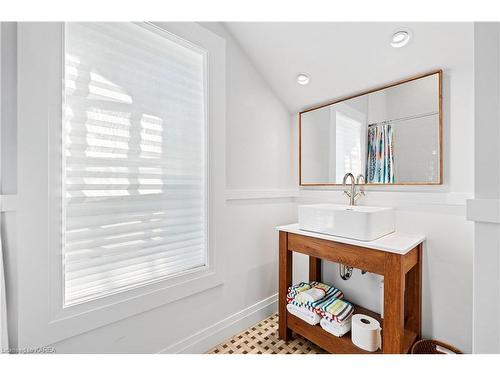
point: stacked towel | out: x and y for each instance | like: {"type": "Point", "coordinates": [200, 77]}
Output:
{"type": "Point", "coordinates": [330, 306]}
{"type": "Point", "coordinates": [310, 295]}
{"type": "Point", "coordinates": [336, 310]}
{"type": "Point", "coordinates": [335, 328]}
{"type": "Point", "coordinates": [306, 315]}
{"type": "Point", "coordinates": [294, 290]}
{"type": "Point", "coordinates": [305, 293]}
{"type": "Point", "coordinates": [329, 291]}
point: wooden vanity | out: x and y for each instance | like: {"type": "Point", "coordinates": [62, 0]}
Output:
{"type": "Point", "coordinates": [397, 257]}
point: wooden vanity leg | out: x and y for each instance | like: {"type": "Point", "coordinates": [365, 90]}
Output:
{"type": "Point", "coordinates": [414, 296]}
{"type": "Point", "coordinates": [285, 280]}
{"type": "Point", "coordinates": [314, 269]}
{"type": "Point", "coordinates": [394, 289]}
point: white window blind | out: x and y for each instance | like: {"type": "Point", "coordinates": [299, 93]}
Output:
{"type": "Point", "coordinates": [134, 158]}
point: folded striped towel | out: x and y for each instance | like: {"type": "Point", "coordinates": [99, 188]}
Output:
{"type": "Point", "coordinates": [318, 285]}
{"type": "Point", "coordinates": [330, 292]}
{"type": "Point", "coordinates": [336, 310]}
{"type": "Point", "coordinates": [331, 306]}
{"type": "Point", "coordinates": [294, 290]}
{"type": "Point", "coordinates": [310, 295]}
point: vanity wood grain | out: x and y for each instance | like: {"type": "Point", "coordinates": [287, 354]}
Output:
{"type": "Point", "coordinates": [402, 272]}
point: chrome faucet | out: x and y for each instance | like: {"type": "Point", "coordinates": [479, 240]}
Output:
{"type": "Point", "coordinates": [352, 193]}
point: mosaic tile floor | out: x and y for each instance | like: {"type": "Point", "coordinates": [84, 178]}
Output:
{"type": "Point", "coordinates": [262, 338]}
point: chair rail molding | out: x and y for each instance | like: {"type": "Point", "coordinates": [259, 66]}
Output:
{"type": "Point", "coordinates": [393, 197]}
{"type": "Point", "coordinates": [335, 195]}
{"type": "Point", "coordinates": [483, 210]}
{"type": "Point", "coordinates": [244, 194]}
{"type": "Point", "coordinates": [8, 202]}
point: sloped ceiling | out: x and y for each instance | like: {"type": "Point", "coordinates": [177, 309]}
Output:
{"type": "Point", "coordinates": [346, 58]}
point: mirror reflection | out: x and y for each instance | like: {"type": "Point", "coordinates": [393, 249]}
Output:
{"type": "Point", "coordinates": [391, 136]}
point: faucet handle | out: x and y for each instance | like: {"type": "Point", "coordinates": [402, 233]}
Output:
{"type": "Point", "coordinates": [358, 195]}
{"type": "Point", "coordinates": [359, 178]}
{"type": "Point", "coordinates": [358, 182]}
{"type": "Point", "coordinates": [347, 193]}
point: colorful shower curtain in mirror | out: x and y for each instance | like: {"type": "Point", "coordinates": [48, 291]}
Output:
{"type": "Point", "coordinates": [380, 164]}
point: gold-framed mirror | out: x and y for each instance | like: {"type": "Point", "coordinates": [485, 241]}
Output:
{"type": "Point", "coordinates": [392, 135]}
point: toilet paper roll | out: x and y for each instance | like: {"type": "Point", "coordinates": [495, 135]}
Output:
{"type": "Point", "coordinates": [366, 332]}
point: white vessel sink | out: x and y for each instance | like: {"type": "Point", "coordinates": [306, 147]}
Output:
{"type": "Point", "coordinates": [356, 222]}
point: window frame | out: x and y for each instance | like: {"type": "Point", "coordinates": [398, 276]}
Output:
{"type": "Point", "coordinates": [40, 276]}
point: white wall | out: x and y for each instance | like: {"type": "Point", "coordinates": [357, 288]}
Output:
{"type": "Point", "coordinates": [484, 209]}
{"type": "Point", "coordinates": [437, 212]}
{"type": "Point", "coordinates": [258, 149]}
{"type": "Point", "coordinates": [9, 168]}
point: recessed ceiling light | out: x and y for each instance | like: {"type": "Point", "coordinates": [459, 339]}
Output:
{"type": "Point", "coordinates": [302, 79]}
{"type": "Point", "coordinates": [400, 38]}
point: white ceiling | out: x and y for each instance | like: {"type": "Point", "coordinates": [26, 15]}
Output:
{"type": "Point", "coordinates": [346, 58]}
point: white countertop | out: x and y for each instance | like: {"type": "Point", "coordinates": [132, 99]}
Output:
{"type": "Point", "coordinates": [397, 242]}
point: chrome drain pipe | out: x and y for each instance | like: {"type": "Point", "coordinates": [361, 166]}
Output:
{"type": "Point", "coordinates": [345, 271]}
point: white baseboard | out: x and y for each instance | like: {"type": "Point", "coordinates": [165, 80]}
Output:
{"type": "Point", "coordinates": [202, 341]}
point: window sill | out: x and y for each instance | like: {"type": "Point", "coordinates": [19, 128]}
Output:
{"type": "Point", "coordinates": [79, 319]}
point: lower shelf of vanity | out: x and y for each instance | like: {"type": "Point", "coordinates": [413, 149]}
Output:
{"type": "Point", "coordinates": [340, 345]}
